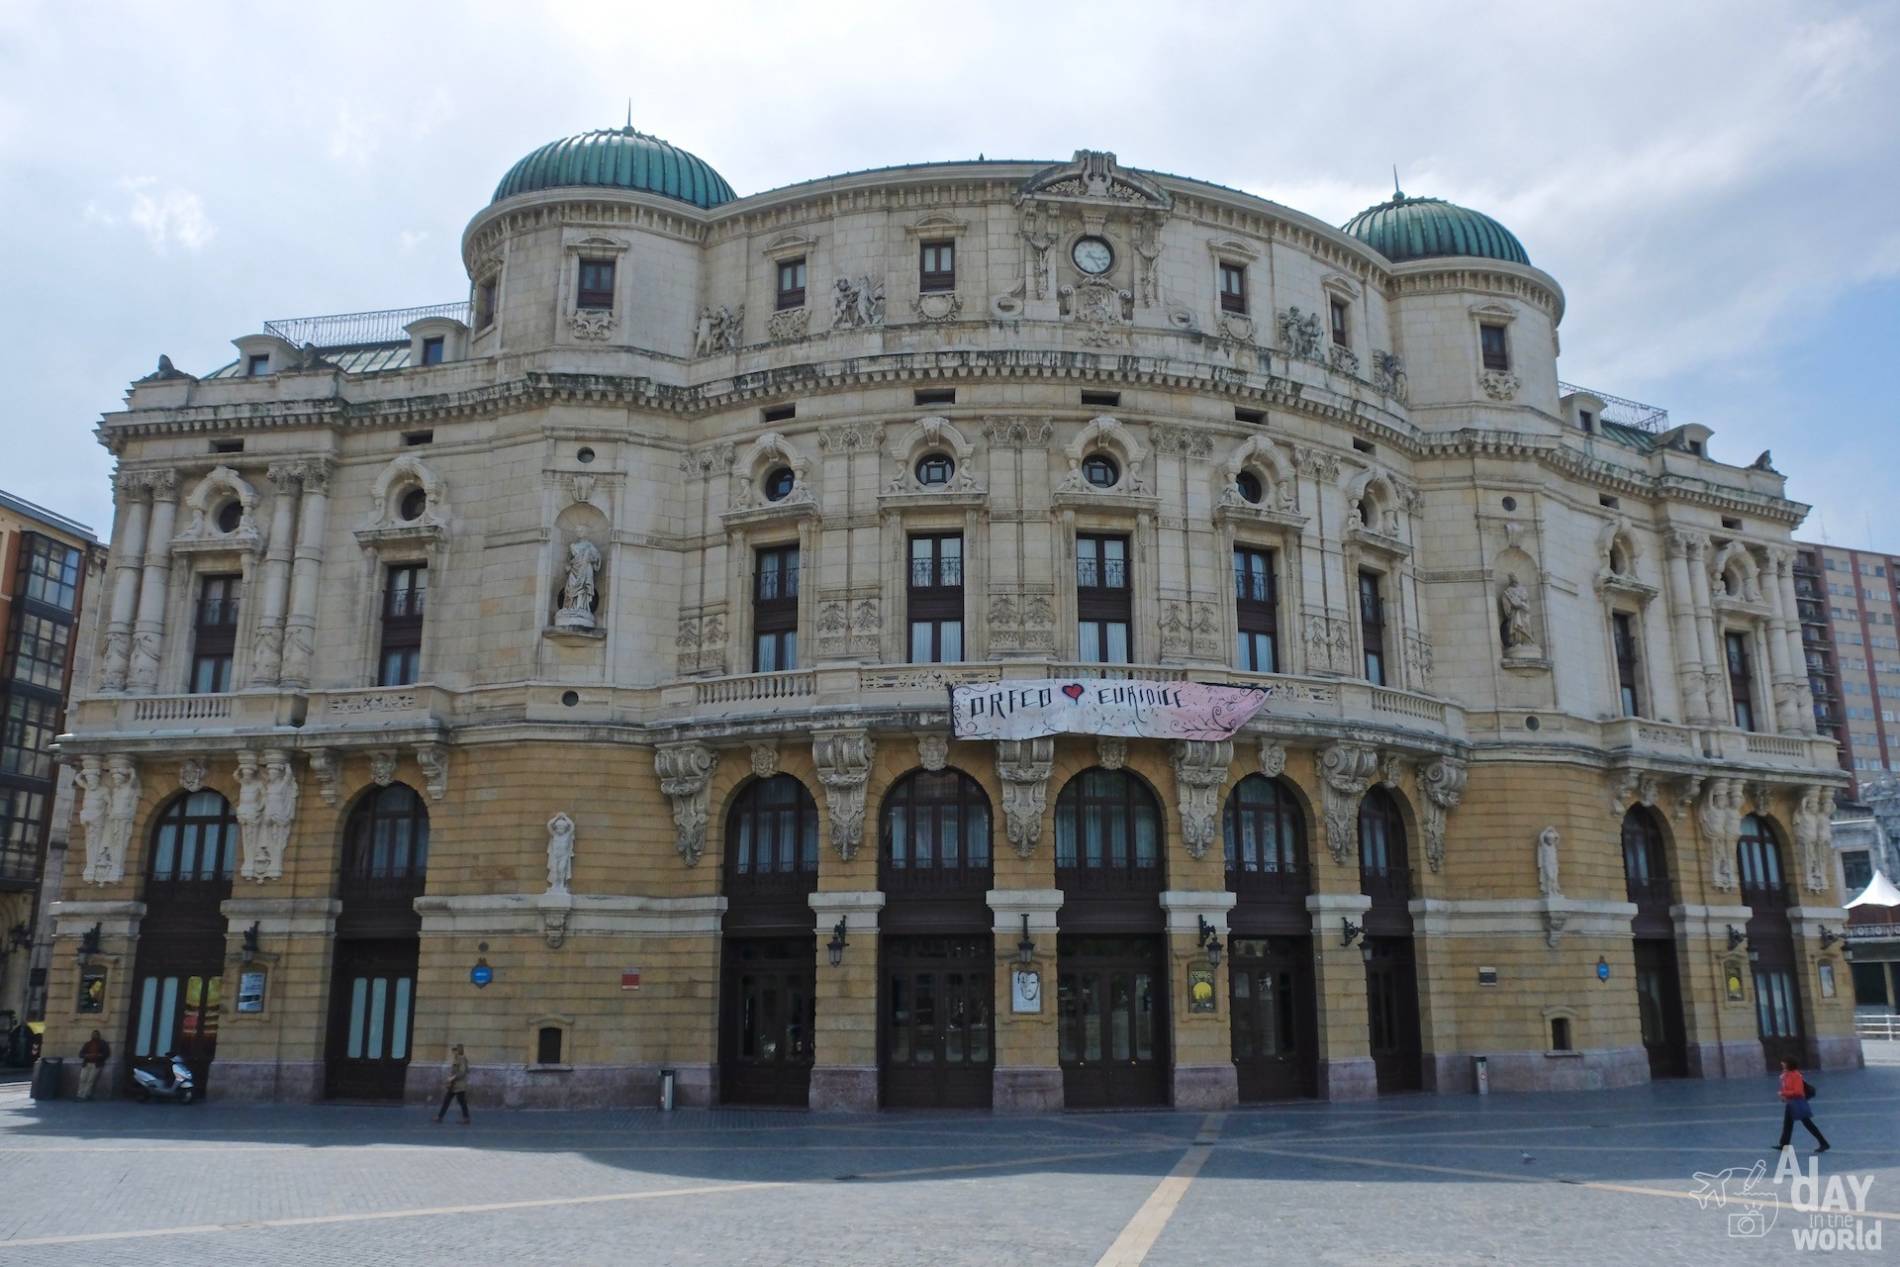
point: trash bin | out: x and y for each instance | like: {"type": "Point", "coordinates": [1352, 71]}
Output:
{"type": "Point", "coordinates": [667, 1079]}
{"type": "Point", "coordinates": [1481, 1074]}
{"type": "Point", "coordinates": [46, 1076]}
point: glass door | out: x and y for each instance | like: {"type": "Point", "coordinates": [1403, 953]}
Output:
{"type": "Point", "coordinates": [372, 1018]}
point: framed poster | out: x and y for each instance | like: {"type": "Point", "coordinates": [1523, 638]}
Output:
{"type": "Point", "coordinates": [1025, 990]}
{"type": "Point", "coordinates": [92, 991]}
{"type": "Point", "coordinates": [250, 991]}
{"type": "Point", "coordinates": [1733, 975]}
{"type": "Point", "coordinates": [1201, 994]}
{"type": "Point", "coordinates": [1827, 980]}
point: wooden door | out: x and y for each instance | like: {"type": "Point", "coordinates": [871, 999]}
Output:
{"type": "Point", "coordinates": [177, 1005]}
{"type": "Point", "coordinates": [1272, 1017]}
{"type": "Point", "coordinates": [1659, 1006]}
{"type": "Point", "coordinates": [372, 1015]}
{"type": "Point", "coordinates": [1112, 1021]}
{"type": "Point", "coordinates": [767, 1014]}
{"type": "Point", "coordinates": [938, 1032]}
{"type": "Point", "coordinates": [1392, 1013]}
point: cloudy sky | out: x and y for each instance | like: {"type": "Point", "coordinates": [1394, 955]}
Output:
{"type": "Point", "coordinates": [1714, 185]}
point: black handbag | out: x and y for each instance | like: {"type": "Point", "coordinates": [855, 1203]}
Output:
{"type": "Point", "coordinates": [1807, 1089]}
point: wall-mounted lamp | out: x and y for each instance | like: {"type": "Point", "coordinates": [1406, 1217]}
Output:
{"type": "Point", "coordinates": [835, 947]}
{"type": "Point", "coordinates": [1350, 932]}
{"type": "Point", "coordinates": [1828, 937]}
{"type": "Point", "coordinates": [1736, 937]}
{"type": "Point", "coordinates": [1026, 948]}
{"type": "Point", "coordinates": [89, 943]}
{"type": "Point", "coordinates": [250, 942]}
{"type": "Point", "coordinates": [1210, 942]}
{"type": "Point", "coordinates": [18, 938]}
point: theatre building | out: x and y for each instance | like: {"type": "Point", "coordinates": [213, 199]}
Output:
{"type": "Point", "coordinates": [985, 634]}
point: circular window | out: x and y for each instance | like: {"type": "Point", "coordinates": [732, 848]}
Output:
{"type": "Point", "coordinates": [230, 515]}
{"type": "Point", "coordinates": [570, 698]}
{"type": "Point", "coordinates": [1510, 503]}
{"type": "Point", "coordinates": [778, 483]}
{"type": "Point", "coordinates": [1100, 470]}
{"type": "Point", "coordinates": [1249, 485]}
{"type": "Point", "coordinates": [413, 503]}
{"type": "Point", "coordinates": [585, 455]}
{"type": "Point", "coordinates": [934, 469]}
{"type": "Point", "coordinates": [1531, 723]}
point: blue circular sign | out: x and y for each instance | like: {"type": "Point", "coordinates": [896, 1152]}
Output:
{"type": "Point", "coordinates": [481, 974]}
{"type": "Point", "coordinates": [1603, 970]}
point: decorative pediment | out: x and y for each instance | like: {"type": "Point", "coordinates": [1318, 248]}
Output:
{"type": "Point", "coordinates": [1105, 433]}
{"type": "Point", "coordinates": [205, 502]}
{"type": "Point", "coordinates": [926, 436]}
{"type": "Point", "coordinates": [789, 246]}
{"type": "Point", "coordinates": [1735, 575]}
{"type": "Point", "coordinates": [394, 484]}
{"type": "Point", "coordinates": [1094, 175]}
{"type": "Point", "coordinates": [1232, 251]}
{"type": "Point", "coordinates": [1502, 314]}
{"type": "Point", "coordinates": [1341, 285]}
{"type": "Point", "coordinates": [1617, 552]}
{"type": "Point", "coordinates": [936, 224]}
{"type": "Point", "coordinates": [1260, 457]}
{"type": "Point", "coordinates": [1374, 505]}
{"type": "Point", "coordinates": [750, 473]}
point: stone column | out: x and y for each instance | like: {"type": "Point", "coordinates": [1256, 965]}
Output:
{"type": "Point", "coordinates": [285, 477]}
{"type": "Point", "coordinates": [1339, 988]}
{"type": "Point", "coordinates": [1202, 1041]}
{"type": "Point", "coordinates": [306, 570]}
{"type": "Point", "coordinates": [1028, 1074]}
{"type": "Point", "coordinates": [844, 1038]}
{"type": "Point", "coordinates": [1799, 690]}
{"type": "Point", "coordinates": [1713, 665]}
{"type": "Point", "coordinates": [148, 632]}
{"type": "Point", "coordinates": [1688, 654]}
{"type": "Point", "coordinates": [1780, 684]}
{"type": "Point", "coordinates": [128, 556]}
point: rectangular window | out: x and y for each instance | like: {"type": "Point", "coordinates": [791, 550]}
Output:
{"type": "Point", "coordinates": [21, 815]}
{"type": "Point", "coordinates": [432, 350]}
{"type": "Point", "coordinates": [1491, 340]}
{"type": "Point", "coordinates": [937, 266]}
{"type": "Point", "coordinates": [38, 654]}
{"type": "Point", "coordinates": [52, 572]}
{"type": "Point", "coordinates": [935, 599]}
{"type": "Point", "coordinates": [1372, 627]}
{"type": "Point", "coordinates": [1741, 686]}
{"type": "Point", "coordinates": [405, 602]}
{"type": "Point", "coordinates": [214, 634]}
{"type": "Point", "coordinates": [485, 304]}
{"type": "Point", "coordinates": [258, 365]}
{"type": "Point", "coordinates": [1103, 602]}
{"type": "Point", "coordinates": [597, 284]}
{"type": "Point", "coordinates": [791, 283]}
{"type": "Point", "coordinates": [26, 737]}
{"type": "Point", "coordinates": [1256, 610]}
{"type": "Point", "coordinates": [1233, 288]}
{"type": "Point", "coordinates": [1623, 635]}
{"type": "Point", "coordinates": [775, 610]}
{"type": "Point", "coordinates": [1342, 329]}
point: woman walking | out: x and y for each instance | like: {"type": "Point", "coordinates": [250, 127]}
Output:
{"type": "Point", "coordinates": [457, 1088]}
{"type": "Point", "coordinates": [1794, 1107]}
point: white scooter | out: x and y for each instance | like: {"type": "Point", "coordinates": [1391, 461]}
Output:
{"type": "Point", "coordinates": [165, 1078]}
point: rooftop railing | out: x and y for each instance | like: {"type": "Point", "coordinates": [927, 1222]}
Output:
{"type": "Point", "coordinates": [350, 329]}
{"type": "Point", "coordinates": [1623, 411]}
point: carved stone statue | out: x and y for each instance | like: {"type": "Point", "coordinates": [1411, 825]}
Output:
{"type": "Point", "coordinates": [280, 812]}
{"type": "Point", "coordinates": [250, 813]}
{"type": "Point", "coordinates": [95, 799]}
{"type": "Point", "coordinates": [859, 305]}
{"type": "Point", "coordinates": [122, 806]}
{"type": "Point", "coordinates": [560, 853]}
{"type": "Point", "coordinates": [1300, 333]}
{"type": "Point", "coordinates": [577, 591]}
{"type": "Point", "coordinates": [718, 330]}
{"type": "Point", "coordinates": [1514, 604]}
{"type": "Point", "coordinates": [1547, 841]}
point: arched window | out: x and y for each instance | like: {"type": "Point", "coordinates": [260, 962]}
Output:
{"type": "Point", "coordinates": [772, 837]}
{"type": "Point", "coordinates": [1383, 867]}
{"type": "Point", "coordinates": [386, 840]}
{"type": "Point", "coordinates": [1759, 854]}
{"type": "Point", "coordinates": [935, 833]}
{"type": "Point", "coordinates": [195, 839]}
{"type": "Point", "coordinates": [1265, 836]}
{"type": "Point", "coordinates": [1108, 833]}
{"type": "Point", "coordinates": [1645, 863]}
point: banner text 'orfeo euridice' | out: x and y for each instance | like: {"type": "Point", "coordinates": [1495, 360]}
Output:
{"type": "Point", "coordinates": [1133, 708]}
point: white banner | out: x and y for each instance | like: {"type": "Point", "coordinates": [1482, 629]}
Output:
{"type": "Point", "coordinates": [1095, 706]}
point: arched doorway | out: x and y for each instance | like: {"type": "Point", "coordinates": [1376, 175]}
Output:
{"type": "Point", "coordinates": [1270, 943]}
{"type": "Point", "coordinates": [1658, 985]}
{"type": "Point", "coordinates": [378, 943]}
{"type": "Point", "coordinates": [1111, 980]}
{"type": "Point", "coordinates": [769, 975]}
{"type": "Point", "coordinates": [1385, 876]}
{"type": "Point", "coordinates": [178, 975]}
{"type": "Point", "coordinates": [936, 1036]}
{"type": "Point", "coordinates": [1770, 942]}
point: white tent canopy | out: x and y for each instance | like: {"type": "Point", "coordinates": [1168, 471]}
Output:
{"type": "Point", "coordinates": [1879, 892]}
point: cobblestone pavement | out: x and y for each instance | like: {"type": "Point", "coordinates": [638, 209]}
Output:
{"type": "Point", "coordinates": [1591, 1178]}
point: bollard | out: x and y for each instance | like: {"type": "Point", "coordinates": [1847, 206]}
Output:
{"type": "Point", "coordinates": [667, 1078]}
{"type": "Point", "coordinates": [1481, 1073]}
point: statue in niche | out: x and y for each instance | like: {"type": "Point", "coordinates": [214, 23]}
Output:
{"type": "Point", "coordinates": [1547, 841]}
{"type": "Point", "coordinates": [560, 853]}
{"type": "Point", "coordinates": [95, 800]}
{"type": "Point", "coordinates": [1514, 604]}
{"type": "Point", "coordinates": [577, 591]}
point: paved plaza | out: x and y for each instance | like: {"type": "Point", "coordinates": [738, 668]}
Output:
{"type": "Point", "coordinates": [1589, 1178]}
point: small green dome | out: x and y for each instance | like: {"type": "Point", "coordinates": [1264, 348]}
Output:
{"type": "Point", "coordinates": [1429, 228]}
{"type": "Point", "coordinates": [617, 158]}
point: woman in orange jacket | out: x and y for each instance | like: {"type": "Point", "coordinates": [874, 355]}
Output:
{"type": "Point", "coordinates": [1794, 1107]}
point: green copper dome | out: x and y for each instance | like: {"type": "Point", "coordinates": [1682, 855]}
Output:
{"type": "Point", "coordinates": [1429, 228]}
{"type": "Point", "coordinates": [617, 158]}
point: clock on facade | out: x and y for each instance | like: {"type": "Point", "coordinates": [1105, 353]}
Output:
{"type": "Point", "coordinates": [1092, 255]}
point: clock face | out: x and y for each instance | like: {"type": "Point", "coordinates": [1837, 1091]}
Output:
{"type": "Point", "coordinates": [1092, 255]}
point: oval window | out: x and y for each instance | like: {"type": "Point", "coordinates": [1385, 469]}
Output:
{"type": "Point", "coordinates": [413, 503]}
{"type": "Point", "coordinates": [778, 483]}
{"type": "Point", "coordinates": [230, 515]}
{"type": "Point", "coordinates": [1249, 485]}
{"type": "Point", "coordinates": [935, 469]}
{"type": "Point", "coordinates": [1100, 470]}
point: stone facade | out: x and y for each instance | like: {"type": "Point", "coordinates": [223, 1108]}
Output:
{"type": "Point", "coordinates": [696, 422]}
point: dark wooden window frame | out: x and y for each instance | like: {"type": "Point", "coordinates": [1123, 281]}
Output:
{"type": "Point", "coordinates": [1087, 799]}
{"type": "Point", "coordinates": [214, 633]}
{"type": "Point", "coordinates": [1277, 856]}
{"type": "Point", "coordinates": [936, 806]}
{"type": "Point", "coordinates": [775, 606]}
{"type": "Point", "coordinates": [1741, 676]}
{"type": "Point", "coordinates": [1372, 626]}
{"type": "Point", "coordinates": [1624, 639]}
{"type": "Point", "coordinates": [386, 840]}
{"type": "Point", "coordinates": [774, 821]}
{"type": "Point", "coordinates": [207, 840]}
{"type": "Point", "coordinates": [594, 283]}
{"type": "Point", "coordinates": [790, 295]}
{"type": "Point", "coordinates": [1385, 872]}
{"type": "Point", "coordinates": [934, 594]}
{"type": "Point", "coordinates": [1233, 287]}
{"type": "Point", "coordinates": [1759, 864]}
{"type": "Point", "coordinates": [404, 608]}
{"type": "Point", "coordinates": [1104, 594]}
{"type": "Point", "coordinates": [937, 265]}
{"type": "Point", "coordinates": [1256, 607]}
{"type": "Point", "coordinates": [1339, 320]}
{"type": "Point", "coordinates": [1494, 346]}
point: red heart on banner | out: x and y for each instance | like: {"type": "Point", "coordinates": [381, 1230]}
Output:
{"type": "Point", "coordinates": [1073, 691]}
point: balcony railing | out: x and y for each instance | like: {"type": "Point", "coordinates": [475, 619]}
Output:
{"type": "Point", "coordinates": [351, 329]}
{"type": "Point", "coordinates": [151, 708]}
{"type": "Point", "coordinates": [1623, 411]}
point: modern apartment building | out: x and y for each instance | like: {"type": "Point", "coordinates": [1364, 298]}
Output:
{"type": "Point", "coordinates": [1852, 642]}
